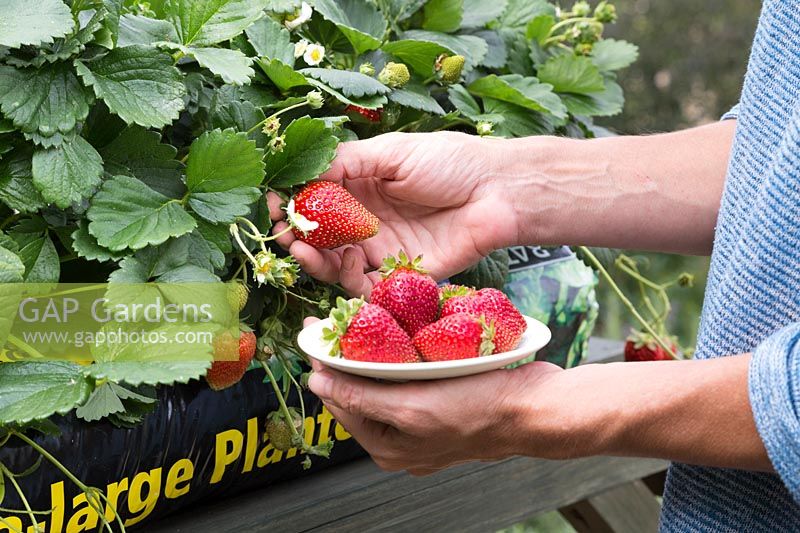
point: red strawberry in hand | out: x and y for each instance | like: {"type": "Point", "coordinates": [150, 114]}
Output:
{"type": "Point", "coordinates": [407, 292]}
{"type": "Point", "coordinates": [459, 336]}
{"type": "Point", "coordinates": [325, 215]}
{"type": "Point", "coordinates": [641, 346]}
{"type": "Point", "coordinates": [225, 371]}
{"type": "Point", "coordinates": [496, 307]}
{"type": "Point", "coordinates": [366, 332]}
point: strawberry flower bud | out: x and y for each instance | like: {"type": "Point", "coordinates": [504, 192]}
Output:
{"type": "Point", "coordinates": [299, 17]}
{"type": "Point", "coordinates": [584, 49]}
{"type": "Point", "coordinates": [394, 75]}
{"type": "Point", "coordinates": [300, 48]}
{"type": "Point", "coordinates": [686, 280]}
{"type": "Point", "coordinates": [484, 128]}
{"type": "Point", "coordinates": [605, 12]}
{"type": "Point", "coordinates": [449, 68]}
{"type": "Point", "coordinates": [367, 69]}
{"type": "Point", "coordinates": [315, 99]}
{"type": "Point", "coordinates": [581, 9]}
{"type": "Point", "coordinates": [272, 126]}
{"type": "Point", "coordinates": [314, 54]}
{"type": "Point", "coordinates": [299, 221]}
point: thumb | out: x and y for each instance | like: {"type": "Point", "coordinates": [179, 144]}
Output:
{"type": "Point", "coordinates": [370, 158]}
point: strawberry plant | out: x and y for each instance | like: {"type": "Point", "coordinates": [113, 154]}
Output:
{"type": "Point", "coordinates": [137, 140]}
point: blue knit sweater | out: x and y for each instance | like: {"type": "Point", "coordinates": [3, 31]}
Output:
{"type": "Point", "coordinates": [753, 295]}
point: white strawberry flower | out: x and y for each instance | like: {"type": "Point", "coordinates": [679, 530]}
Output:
{"type": "Point", "coordinates": [299, 221]}
{"type": "Point", "coordinates": [314, 54]}
{"type": "Point", "coordinates": [300, 48]}
{"type": "Point", "coordinates": [262, 267]}
{"type": "Point", "coordinates": [299, 18]}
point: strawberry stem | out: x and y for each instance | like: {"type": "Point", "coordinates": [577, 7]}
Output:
{"type": "Point", "coordinates": [12, 478]}
{"type": "Point", "coordinates": [625, 301]}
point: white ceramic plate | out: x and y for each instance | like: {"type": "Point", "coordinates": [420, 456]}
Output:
{"type": "Point", "coordinates": [310, 340]}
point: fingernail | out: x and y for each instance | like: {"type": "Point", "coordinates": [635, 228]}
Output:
{"type": "Point", "coordinates": [321, 384]}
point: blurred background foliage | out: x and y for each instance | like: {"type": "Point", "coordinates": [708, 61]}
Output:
{"type": "Point", "coordinates": [692, 60]}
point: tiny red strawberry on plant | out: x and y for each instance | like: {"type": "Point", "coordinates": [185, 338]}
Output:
{"type": "Point", "coordinates": [496, 307]}
{"type": "Point", "coordinates": [407, 292]}
{"type": "Point", "coordinates": [325, 215]}
{"type": "Point", "coordinates": [641, 346]}
{"type": "Point", "coordinates": [367, 332]}
{"type": "Point", "coordinates": [459, 336]}
{"type": "Point", "coordinates": [372, 115]}
{"type": "Point", "coordinates": [224, 371]}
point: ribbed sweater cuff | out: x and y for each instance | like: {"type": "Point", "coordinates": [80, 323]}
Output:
{"type": "Point", "coordinates": [733, 114]}
{"type": "Point", "coordinates": [775, 401]}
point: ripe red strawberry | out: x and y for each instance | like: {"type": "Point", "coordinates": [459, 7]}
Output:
{"type": "Point", "coordinates": [641, 346]}
{"type": "Point", "coordinates": [449, 291]}
{"type": "Point", "coordinates": [497, 308]}
{"type": "Point", "coordinates": [372, 115]}
{"type": "Point", "coordinates": [325, 215]}
{"type": "Point", "coordinates": [459, 336]}
{"type": "Point", "coordinates": [225, 372]}
{"type": "Point", "coordinates": [407, 292]}
{"type": "Point", "coordinates": [366, 332]}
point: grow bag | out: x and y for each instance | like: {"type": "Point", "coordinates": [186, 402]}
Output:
{"type": "Point", "coordinates": [197, 445]}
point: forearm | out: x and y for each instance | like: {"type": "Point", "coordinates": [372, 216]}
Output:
{"type": "Point", "coordinates": [658, 192]}
{"type": "Point", "coordinates": [695, 412]}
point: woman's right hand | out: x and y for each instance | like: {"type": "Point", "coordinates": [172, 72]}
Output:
{"type": "Point", "coordinates": [436, 194]}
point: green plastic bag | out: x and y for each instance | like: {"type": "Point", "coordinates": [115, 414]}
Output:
{"type": "Point", "coordinates": [553, 286]}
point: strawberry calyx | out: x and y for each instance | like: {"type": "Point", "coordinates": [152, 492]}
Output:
{"type": "Point", "coordinates": [340, 316]}
{"type": "Point", "coordinates": [401, 262]}
{"type": "Point", "coordinates": [451, 291]}
{"type": "Point", "coordinates": [487, 337]}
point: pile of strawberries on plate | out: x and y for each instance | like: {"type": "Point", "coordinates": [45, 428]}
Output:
{"type": "Point", "coordinates": [410, 319]}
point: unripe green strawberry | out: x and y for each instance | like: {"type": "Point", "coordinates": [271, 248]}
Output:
{"type": "Point", "coordinates": [231, 358]}
{"type": "Point", "coordinates": [459, 336]}
{"type": "Point", "coordinates": [407, 292]}
{"type": "Point", "coordinates": [238, 294]}
{"type": "Point", "coordinates": [449, 69]}
{"type": "Point", "coordinates": [394, 75]}
{"type": "Point", "coordinates": [325, 215]}
{"type": "Point", "coordinates": [605, 12]}
{"type": "Point", "coordinates": [279, 432]}
{"type": "Point", "coordinates": [366, 332]}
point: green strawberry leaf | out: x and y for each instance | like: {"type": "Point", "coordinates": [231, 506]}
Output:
{"type": "Point", "coordinates": [489, 272]}
{"type": "Point", "coordinates": [527, 92]}
{"type": "Point", "coordinates": [367, 102]}
{"type": "Point", "coordinates": [611, 54]}
{"type": "Point", "coordinates": [40, 257]}
{"type": "Point", "coordinates": [101, 403]}
{"type": "Point", "coordinates": [310, 149]}
{"type": "Point", "coordinates": [604, 104]}
{"type": "Point", "coordinates": [37, 390]}
{"type": "Point", "coordinates": [360, 22]}
{"type": "Point", "coordinates": [539, 27]}
{"type": "Point", "coordinates": [282, 75]}
{"type": "Point", "coordinates": [68, 173]}
{"type": "Point", "coordinates": [514, 121]}
{"type": "Point", "coordinates": [8, 243]}
{"type": "Point", "coordinates": [351, 84]}
{"type": "Point", "coordinates": [47, 100]}
{"type": "Point", "coordinates": [473, 48]}
{"type": "Point", "coordinates": [216, 235]}
{"type": "Point", "coordinates": [207, 22]}
{"type": "Point", "coordinates": [91, 22]}
{"type": "Point", "coordinates": [224, 207]}
{"type": "Point", "coordinates": [138, 83]}
{"type": "Point", "coordinates": [139, 153]}
{"type": "Point", "coordinates": [126, 213]}
{"type": "Point", "coordinates": [519, 12]}
{"type": "Point", "coordinates": [478, 13]}
{"type": "Point", "coordinates": [420, 56]}
{"type": "Point", "coordinates": [17, 190]}
{"type": "Point", "coordinates": [136, 29]}
{"type": "Point", "coordinates": [85, 245]}
{"type": "Point", "coordinates": [271, 40]}
{"type": "Point", "coordinates": [12, 270]}
{"type": "Point", "coordinates": [221, 160]}
{"type": "Point", "coordinates": [497, 55]}
{"type": "Point", "coordinates": [443, 15]}
{"type": "Point", "coordinates": [230, 65]}
{"type": "Point", "coordinates": [464, 102]}
{"type": "Point", "coordinates": [240, 115]}
{"type": "Point", "coordinates": [148, 373]}
{"type": "Point", "coordinates": [25, 22]}
{"type": "Point", "coordinates": [416, 97]}
{"type": "Point", "coordinates": [568, 73]}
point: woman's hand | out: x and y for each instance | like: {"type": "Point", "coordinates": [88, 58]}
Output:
{"type": "Point", "coordinates": [434, 195]}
